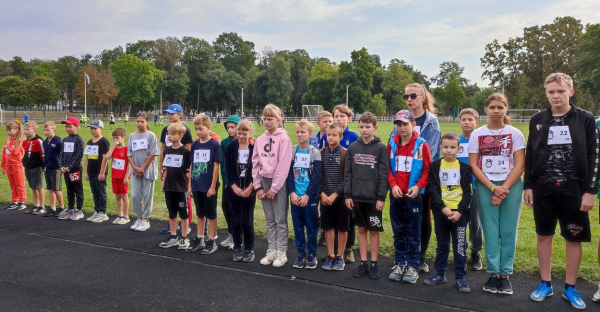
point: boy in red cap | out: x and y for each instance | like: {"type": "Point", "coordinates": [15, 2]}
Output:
{"type": "Point", "coordinates": [70, 164]}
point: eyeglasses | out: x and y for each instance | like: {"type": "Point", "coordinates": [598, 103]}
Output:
{"type": "Point", "coordinates": [412, 96]}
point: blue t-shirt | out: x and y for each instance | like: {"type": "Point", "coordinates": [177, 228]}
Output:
{"type": "Point", "coordinates": [349, 138]}
{"type": "Point", "coordinates": [301, 177]}
{"type": "Point", "coordinates": [462, 151]}
{"type": "Point", "coordinates": [203, 157]}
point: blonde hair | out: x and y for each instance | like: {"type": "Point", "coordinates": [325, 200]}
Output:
{"type": "Point", "coordinates": [428, 101]}
{"type": "Point", "coordinates": [303, 123]}
{"type": "Point", "coordinates": [271, 110]}
{"type": "Point", "coordinates": [343, 109]}
{"type": "Point", "coordinates": [202, 120]}
{"type": "Point", "coordinates": [31, 124]}
{"type": "Point", "coordinates": [499, 97]}
{"type": "Point", "coordinates": [245, 125]}
{"type": "Point", "coordinates": [468, 111]}
{"type": "Point", "coordinates": [368, 117]}
{"type": "Point", "coordinates": [19, 136]}
{"type": "Point", "coordinates": [337, 127]}
{"type": "Point", "coordinates": [323, 114]}
{"type": "Point", "coordinates": [560, 77]}
{"type": "Point", "coordinates": [50, 124]}
{"type": "Point", "coordinates": [176, 128]}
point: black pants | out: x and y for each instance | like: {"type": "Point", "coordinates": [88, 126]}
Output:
{"type": "Point", "coordinates": [225, 207]}
{"type": "Point", "coordinates": [457, 231]}
{"type": "Point", "coordinates": [425, 224]}
{"type": "Point", "coordinates": [242, 220]}
{"type": "Point", "coordinates": [99, 193]}
{"type": "Point", "coordinates": [74, 183]}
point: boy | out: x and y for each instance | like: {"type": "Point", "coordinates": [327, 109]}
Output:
{"type": "Point", "coordinates": [52, 147]}
{"type": "Point", "coordinates": [303, 185]}
{"type": "Point", "coordinates": [69, 161]}
{"type": "Point", "coordinates": [410, 160]}
{"type": "Point", "coordinates": [365, 188]}
{"type": "Point", "coordinates": [95, 152]}
{"type": "Point", "coordinates": [468, 121]}
{"type": "Point", "coordinates": [324, 119]}
{"type": "Point", "coordinates": [204, 182]}
{"type": "Point", "coordinates": [119, 174]}
{"type": "Point", "coordinates": [111, 121]}
{"type": "Point", "coordinates": [334, 214]}
{"type": "Point", "coordinates": [231, 126]}
{"type": "Point", "coordinates": [175, 173]}
{"type": "Point", "coordinates": [126, 119]}
{"type": "Point", "coordinates": [155, 118]}
{"type": "Point", "coordinates": [561, 179]}
{"type": "Point", "coordinates": [33, 161]}
{"type": "Point", "coordinates": [161, 120]}
{"type": "Point", "coordinates": [450, 192]}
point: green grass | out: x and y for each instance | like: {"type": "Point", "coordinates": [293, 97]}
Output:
{"type": "Point", "coordinates": [525, 260]}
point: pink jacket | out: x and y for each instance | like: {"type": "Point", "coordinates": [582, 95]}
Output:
{"type": "Point", "coordinates": [272, 158]}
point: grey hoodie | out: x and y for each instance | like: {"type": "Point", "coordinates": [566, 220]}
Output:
{"type": "Point", "coordinates": [366, 171]}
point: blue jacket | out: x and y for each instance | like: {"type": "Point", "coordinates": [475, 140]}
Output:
{"type": "Point", "coordinates": [417, 164]}
{"type": "Point", "coordinates": [431, 133]}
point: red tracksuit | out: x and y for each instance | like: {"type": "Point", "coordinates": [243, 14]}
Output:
{"type": "Point", "coordinates": [11, 163]}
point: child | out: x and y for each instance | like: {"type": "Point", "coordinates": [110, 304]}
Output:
{"type": "Point", "coordinates": [324, 119]}
{"type": "Point", "coordinates": [204, 183]}
{"type": "Point", "coordinates": [142, 159]}
{"type": "Point", "coordinates": [126, 119]}
{"type": "Point", "coordinates": [111, 121]}
{"type": "Point", "coordinates": [155, 118]}
{"type": "Point", "coordinates": [468, 121]}
{"type": "Point", "coordinates": [271, 162]}
{"type": "Point", "coordinates": [218, 121]}
{"type": "Point", "coordinates": [409, 170]}
{"type": "Point", "coordinates": [119, 172]}
{"type": "Point", "coordinates": [33, 161]}
{"type": "Point", "coordinates": [161, 120]}
{"type": "Point", "coordinates": [69, 161]}
{"type": "Point", "coordinates": [95, 152]}
{"type": "Point", "coordinates": [12, 164]}
{"type": "Point", "coordinates": [303, 186]}
{"type": "Point", "coordinates": [497, 158]}
{"type": "Point", "coordinates": [242, 197]}
{"type": "Point", "coordinates": [231, 126]}
{"type": "Point", "coordinates": [334, 214]}
{"type": "Point", "coordinates": [365, 188]}
{"type": "Point", "coordinates": [450, 192]}
{"type": "Point", "coordinates": [52, 147]}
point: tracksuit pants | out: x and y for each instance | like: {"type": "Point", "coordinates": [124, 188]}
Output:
{"type": "Point", "coordinates": [405, 214]}
{"type": "Point", "coordinates": [241, 210]}
{"type": "Point", "coordinates": [306, 218]}
{"type": "Point", "coordinates": [98, 193]}
{"type": "Point", "coordinates": [142, 190]}
{"type": "Point", "coordinates": [444, 230]}
{"type": "Point", "coordinates": [276, 211]}
{"type": "Point", "coordinates": [16, 178]}
{"type": "Point", "coordinates": [74, 183]}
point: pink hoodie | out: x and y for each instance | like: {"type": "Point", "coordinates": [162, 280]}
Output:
{"type": "Point", "coordinates": [272, 158]}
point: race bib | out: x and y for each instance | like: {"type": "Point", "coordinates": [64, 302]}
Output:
{"type": "Point", "coordinates": [403, 164]}
{"type": "Point", "coordinates": [243, 156]}
{"type": "Point", "coordinates": [137, 145]}
{"type": "Point", "coordinates": [69, 147]}
{"type": "Point", "coordinates": [559, 135]}
{"type": "Point", "coordinates": [417, 129]}
{"type": "Point", "coordinates": [7, 151]}
{"type": "Point", "coordinates": [462, 150]}
{"type": "Point", "coordinates": [302, 161]}
{"type": "Point", "coordinates": [495, 164]}
{"type": "Point", "coordinates": [450, 177]}
{"type": "Point", "coordinates": [91, 150]}
{"type": "Point", "coordinates": [75, 176]}
{"type": "Point", "coordinates": [168, 143]}
{"type": "Point", "coordinates": [201, 156]}
{"type": "Point", "coordinates": [172, 160]}
{"type": "Point", "coordinates": [118, 164]}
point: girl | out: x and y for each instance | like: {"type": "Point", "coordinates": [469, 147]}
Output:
{"type": "Point", "coordinates": [11, 164]}
{"type": "Point", "coordinates": [142, 150]}
{"type": "Point", "coordinates": [497, 157]}
{"type": "Point", "coordinates": [271, 161]}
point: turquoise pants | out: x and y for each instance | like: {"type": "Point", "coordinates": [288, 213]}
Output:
{"type": "Point", "coordinates": [500, 225]}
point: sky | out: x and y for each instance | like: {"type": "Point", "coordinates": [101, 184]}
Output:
{"type": "Point", "coordinates": [424, 33]}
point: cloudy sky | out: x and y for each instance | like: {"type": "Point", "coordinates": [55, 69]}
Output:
{"type": "Point", "coordinates": [423, 33]}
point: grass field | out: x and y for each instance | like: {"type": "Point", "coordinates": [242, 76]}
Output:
{"type": "Point", "coordinates": [525, 260]}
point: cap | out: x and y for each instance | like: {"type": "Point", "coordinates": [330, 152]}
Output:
{"type": "Point", "coordinates": [404, 116]}
{"type": "Point", "coordinates": [174, 108]}
{"type": "Point", "coordinates": [96, 124]}
{"type": "Point", "coordinates": [71, 121]}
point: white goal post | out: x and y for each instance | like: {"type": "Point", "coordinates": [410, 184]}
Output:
{"type": "Point", "coordinates": [311, 112]}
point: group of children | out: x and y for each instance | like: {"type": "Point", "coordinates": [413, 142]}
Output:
{"type": "Point", "coordinates": [472, 180]}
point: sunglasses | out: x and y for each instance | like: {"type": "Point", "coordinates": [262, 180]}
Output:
{"type": "Point", "coordinates": [412, 96]}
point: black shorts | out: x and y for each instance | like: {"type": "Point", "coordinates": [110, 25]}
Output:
{"type": "Point", "coordinates": [560, 202]}
{"type": "Point", "coordinates": [34, 177]}
{"type": "Point", "coordinates": [336, 216]}
{"type": "Point", "coordinates": [206, 207]}
{"type": "Point", "coordinates": [54, 180]}
{"type": "Point", "coordinates": [367, 216]}
{"type": "Point", "coordinates": [111, 122]}
{"type": "Point", "coordinates": [177, 203]}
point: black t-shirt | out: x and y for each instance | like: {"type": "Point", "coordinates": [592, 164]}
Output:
{"type": "Point", "coordinates": [177, 164]}
{"type": "Point", "coordinates": [94, 152]}
{"type": "Point", "coordinates": [187, 137]}
{"type": "Point", "coordinates": [421, 120]}
{"type": "Point", "coordinates": [559, 158]}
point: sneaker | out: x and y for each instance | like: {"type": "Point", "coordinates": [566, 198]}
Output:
{"type": "Point", "coordinates": [59, 210]}
{"type": "Point", "coordinates": [349, 255]}
{"type": "Point", "coordinates": [40, 211]}
{"type": "Point", "coordinates": [90, 219]}
{"type": "Point", "coordinates": [210, 247]}
{"type": "Point", "coordinates": [411, 275]}
{"type": "Point", "coordinates": [124, 220]}
{"type": "Point", "coordinates": [136, 224]}
{"type": "Point", "coordinates": [423, 266]}
{"type": "Point", "coordinates": [397, 272]}
{"type": "Point", "coordinates": [50, 212]}
{"type": "Point", "coordinates": [65, 214]}
{"type": "Point", "coordinates": [101, 217]}
{"type": "Point", "coordinates": [311, 262]}
{"type": "Point", "coordinates": [361, 269]}
{"type": "Point", "coordinates": [596, 297]}
{"type": "Point", "coordinates": [328, 263]}
{"type": "Point", "coordinates": [248, 256]}
{"type": "Point", "coordinates": [491, 285]}
{"type": "Point", "coordinates": [476, 261]}
{"type": "Point", "coordinates": [76, 215]}
{"type": "Point", "coordinates": [541, 292]}
{"type": "Point", "coordinates": [169, 242]}
{"type": "Point", "coordinates": [12, 206]}
{"type": "Point", "coordinates": [462, 285]}
{"type": "Point", "coordinates": [197, 244]}
{"type": "Point", "coordinates": [144, 225]}
{"type": "Point", "coordinates": [31, 210]}
{"type": "Point", "coordinates": [237, 255]}
{"type": "Point", "coordinates": [338, 264]}
{"type": "Point", "coordinates": [504, 286]}
{"type": "Point", "coordinates": [280, 259]}
{"type": "Point", "coordinates": [435, 279]}
{"type": "Point", "coordinates": [184, 243]}
{"type": "Point", "coordinates": [574, 298]}
{"type": "Point", "coordinates": [166, 229]}
{"type": "Point", "coordinates": [374, 271]}
{"type": "Point", "coordinates": [269, 258]}
{"type": "Point", "coordinates": [228, 241]}
{"type": "Point", "coordinates": [300, 262]}
{"type": "Point", "coordinates": [21, 206]}
{"type": "Point", "coordinates": [117, 220]}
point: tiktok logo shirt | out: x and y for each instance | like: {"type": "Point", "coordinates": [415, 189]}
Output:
{"type": "Point", "coordinates": [496, 149]}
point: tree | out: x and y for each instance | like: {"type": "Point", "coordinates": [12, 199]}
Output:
{"type": "Point", "coordinates": [395, 81]}
{"type": "Point", "coordinates": [199, 57]}
{"type": "Point", "coordinates": [140, 49]}
{"type": "Point", "coordinates": [67, 69]}
{"type": "Point", "coordinates": [588, 64]}
{"type": "Point", "coordinates": [280, 85]}
{"type": "Point", "coordinates": [454, 95]}
{"type": "Point", "coordinates": [100, 91]}
{"type": "Point", "coordinates": [234, 53]}
{"type": "Point", "coordinates": [322, 79]}
{"type": "Point", "coordinates": [106, 57]}
{"type": "Point", "coordinates": [175, 84]}
{"type": "Point", "coordinates": [223, 90]}
{"type": "Point", "coordinates": [13, 90]}
{"type": "Point", "coordinates": [446, 69]}
{"type": "Point", "coordinates": [358, 76]}
{"type": "Point", "coordinates": [42, 91]}
{"type": "Point", "coordinates": [166, 53]}
{"type": "Point", "coordinates": [377, 105]}
{"type": "Point", "coordinates": [5, 69]}
{"type": "Point", "coordinates": [21, 68]}
{"type": "Point", "coordinates": [136, 79]}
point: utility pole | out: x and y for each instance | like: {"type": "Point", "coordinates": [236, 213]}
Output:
{"type": "Point", "coordinates": [242, 102]}
{"type": "Point", "coordinates": [347, 94]}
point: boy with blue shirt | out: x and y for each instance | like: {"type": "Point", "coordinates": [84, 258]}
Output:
{"type": "Point", "coordinates": [324, 119]}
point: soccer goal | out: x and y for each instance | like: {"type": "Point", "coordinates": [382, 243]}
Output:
{"type": "Point", "coordinates": [310, 112]}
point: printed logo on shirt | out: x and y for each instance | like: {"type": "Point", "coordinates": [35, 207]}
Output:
{"type": "Point", "coordinates": [364, 159]}
{"type": "Point", "coordinates": [268, 148]}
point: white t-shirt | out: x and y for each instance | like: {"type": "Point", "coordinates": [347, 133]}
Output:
{"type": "Point", "coordinates": [496, 150]}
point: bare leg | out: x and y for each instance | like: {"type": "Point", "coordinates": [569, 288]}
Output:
{"type": "Point", "coordinates": [363, 244]}
{"type": "Point", "coordinates": [330, 238]}
{"type": "Point", "coordinates": [573, 256]}
{"type": "Point", "coordinates": [342, 237]}
{"type": "Point", "coordinates": [374, 236]}
{"type": "Point", "coordinates": [544, 251]}
{"type": "Point", "coordinates": [212, 227]}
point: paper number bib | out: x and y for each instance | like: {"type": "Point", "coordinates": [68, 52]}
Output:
{"type": "Point", "coordinates": [91, 150]}
{"type": "Point", "coordinates": [302, 160]}
{"type": "Point", "coordinates": [462, 150]}
{"type": "Point", "coordinates": [69, 147]}
{"type": "Point", "coordinates": [118, 164]}
{"type": "Point", "coordinates": [495, 164]}
{"type": "Point", "coordinates": [559, 135]}
{"type": "Point", "coordinates": [172, 160]}
{"type": "Point", "coordinates": [201, 156]}
{"type": "Point", "coordinates": [137, 145]}
{"type": "Point", "coordinates": [450, 177]}
{"type": "Point", "coordinates": [243, 156]}
{"type": "Point", "coordinates": [403, 164]}
{"type": "Point", "coordinates": [168, 143]}
{"type": "Point", "coordinates": [417, 129]}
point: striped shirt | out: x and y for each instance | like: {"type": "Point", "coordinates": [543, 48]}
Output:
{"type": "Point", "coordinates": [332, 179]}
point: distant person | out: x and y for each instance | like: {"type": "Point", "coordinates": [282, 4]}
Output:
{"type": "Point", "coordinates": [161, 120]}
{"type": "Point", "coordinates": [126, 119]}
{"type": "Point", "coordinates": [111, 120]}
{"type": "Point", "coordinates": [218, 121]}
{"type": "Point", "coordinates": [26, 118]}
{"type": "Point", "coordinates": [155, 119]}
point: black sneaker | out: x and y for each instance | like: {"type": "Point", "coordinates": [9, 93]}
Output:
{"type": "Point", "coordinates": [58, 211]}
{"type": "Point", "coordinates": [248, 256]}
{"type": "Point", "coordinates": [22, 207]}
{"type": "Point", "coordinates": [491, 285]}
{"type": "Point", "coordinates": [504, 286]}
{"type": "Point", "coordinates": [49, 212]}
{"type": "Point", "coordinates": [32, 210]}
{"type": "Point", "coordinates": [210, 247]}
{"type": "Point", "coordinates": [237, 255]}
{"type": "Point", "coordinates": [197, 244]}
{"type": "Point", "coordinates": [423, 265]}
{"type": "Point", "coordinates": [374, 271]}
{"type": "Point", "coordinates": [40, 211]}
{"type": "Point", "coordinates": [476, 261]}
{"type": "Point", "coordinates": [362, 269]}
{"type": "Point", "coordinates": [12, 206]}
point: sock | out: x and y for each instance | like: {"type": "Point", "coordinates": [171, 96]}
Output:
{"type": "Point", "coordinates": [211, 238]}
{"type": "Point", "coordinates": [373, 263]}
{"type": "Point", "coordinates": [173, 236]}
{"type": "Point", "coordinates": [569, 285]}
{"type": "Point", "coordinates": [333, 256]}
{"type": "Point", "coordinates": [548, 283]}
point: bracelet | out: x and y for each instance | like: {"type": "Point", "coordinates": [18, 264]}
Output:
{"type": "Point", "coordinates": [493, 188]}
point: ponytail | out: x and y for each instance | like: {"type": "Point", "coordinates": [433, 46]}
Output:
{"type": "Point", "coordinates": [506, 120]}
{"type": "Point", "coordinates": [20, 135]}
{"type": "Point", "coordinates": [428, 99]}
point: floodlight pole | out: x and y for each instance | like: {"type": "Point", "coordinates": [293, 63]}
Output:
{"type": "Point", "coordinates": [347, 94]}
{"type": "Point", "coordinates": [242, 102]}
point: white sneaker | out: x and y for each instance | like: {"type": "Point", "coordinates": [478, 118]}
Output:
{"type": "Point", "coordinates": [117, 220]}
{"type": "Point", "coordinates": [92, 217]}
{"type": "Point", "coordinates": [144, 225]}
{"type": "Point", "coordinates": [269, 258]}
{"type": "Point", "coordinates": [228, 241]}
{"type": "Point", "coordinates": [101, 217]}
{"type": "Point", "coordinates": [597, 294]}
{"type": "Point", "coordinates": [280, 259]}
{"type": "Point", "coordinates": [136, 224]}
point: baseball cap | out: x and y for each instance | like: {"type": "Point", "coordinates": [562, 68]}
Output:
{"type": "Point", "coordinates": [404, 116]}
{"type": "Point", "coordinates": [174, 108]}
{"type": "Point", "coordinates": [71, 121]}
{"type": "Point", "coordinates": [96, 124]}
